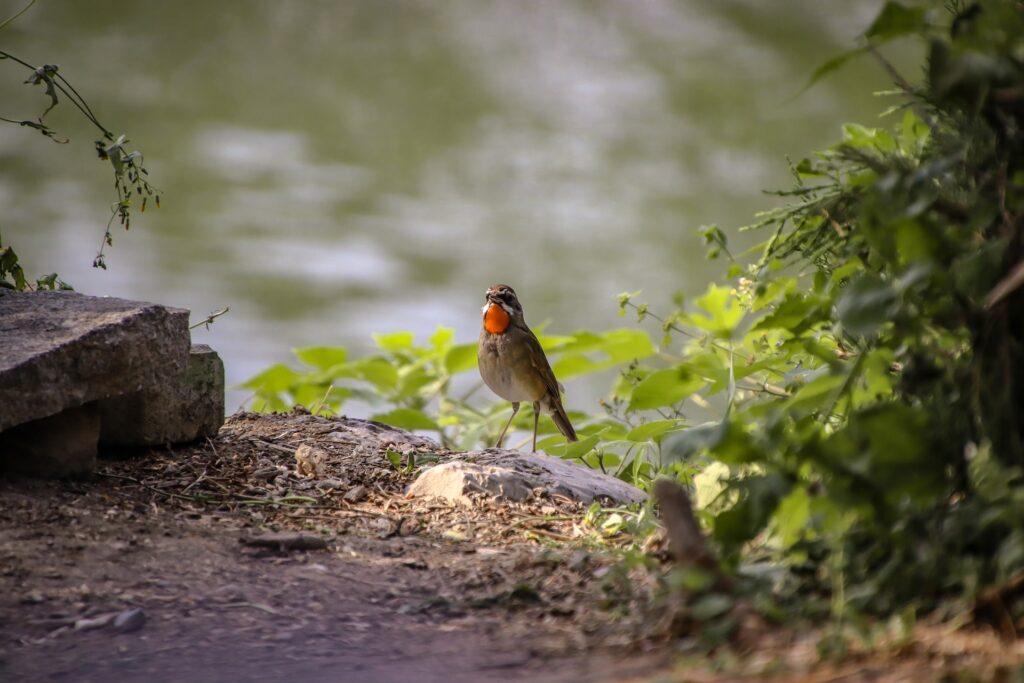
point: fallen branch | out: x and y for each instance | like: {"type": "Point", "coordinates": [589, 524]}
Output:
{"type": "Point", "coordinates": [284, 541]}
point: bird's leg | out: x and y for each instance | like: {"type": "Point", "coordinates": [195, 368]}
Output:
{"type": "Point", "coordinates": [536, 419]}
{"type": "Point", "coordinates": [515, 409]}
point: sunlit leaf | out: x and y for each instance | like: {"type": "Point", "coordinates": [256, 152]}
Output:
{"type": "Point", "coordinates": [664, 388]}
{"type": "Point", "coordinates": [794, 314]}
{"type": "Point", "coordinates": [654, 430]}
{"type": "Point", "coordinates": [832, 65]}
{"type": "Point", "coordinates": [394, 341]}
{"type": "Point", "coordinates": [792, 517]}
{"type": "Point", "coordinates": [587, 352]}
{"type": "Point", "coordinates": [460, 358]}
{"type": "Point", "coordinates": [721, 314]}
{"type": "Point", "coordinates": [276, 378]}
{"type": "Point", "coordinates": [817, 393]}
{"type": "Point", "coordinates": [574, 449]}
{"type": "Point", "coordinates": [378, 372]}
{"type": "Point", "coordinates": [896, 20]}
{"type": "Point", "coordinates": [322, 357]}
{"type": "Point", "coordinates": [442, 338]}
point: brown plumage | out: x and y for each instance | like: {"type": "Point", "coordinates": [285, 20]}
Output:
{"type": "Point", "coordinates": [513, 364]}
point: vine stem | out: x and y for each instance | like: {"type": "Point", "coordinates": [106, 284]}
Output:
{"type": "Point", "coordinates": [692, 335]}
{"type": "Point", "coordinates": [16, 14]}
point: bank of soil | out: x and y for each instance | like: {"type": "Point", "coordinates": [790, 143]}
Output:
{"type": "Point", "coordinates": [405, 589]}
{"type": "Point", "coordinates": [402, 589]}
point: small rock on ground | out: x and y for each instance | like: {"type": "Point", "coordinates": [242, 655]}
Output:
{"type": "Point", "coordinates": [130, 620]}
{"type": "Point", "coordinates": [514, 476]}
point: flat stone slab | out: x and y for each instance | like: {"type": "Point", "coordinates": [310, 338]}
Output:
{"type": "Point", "coordinates": [64, 349]}
{"type": "Point", "coordinates": [178, 411]}
{"type": "Point", "coordinates": [78, 373]}
{"type": "Point", "coordinates": [509, 475]}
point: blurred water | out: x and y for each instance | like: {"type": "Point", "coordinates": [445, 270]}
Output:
{"type": "Point", "coordinates": [333, 169]}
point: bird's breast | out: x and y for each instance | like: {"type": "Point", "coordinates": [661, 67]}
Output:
{"type": "Point", "coordinates": [505, 368]}
{"type": "Point", "coordinates": [496, 319]}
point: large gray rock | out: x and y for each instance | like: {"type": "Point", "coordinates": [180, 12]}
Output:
{"type": "Point", "coordinates": [77, 370]}
{"type": "Point", "coordinates": [514, 476]}
{"type": "Point", "coordinates": [171, 412]}
{"type": "Point", "coordinates": [64, 349]}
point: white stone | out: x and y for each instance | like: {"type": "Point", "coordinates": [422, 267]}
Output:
{"type": "Point", "coordinates": [513, 476]}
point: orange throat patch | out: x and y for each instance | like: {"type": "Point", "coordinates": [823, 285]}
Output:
{"type": "Point", "coordinates": [496, 319]}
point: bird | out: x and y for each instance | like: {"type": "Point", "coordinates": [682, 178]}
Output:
{"type": "Point", "coordinates": [513, 365]}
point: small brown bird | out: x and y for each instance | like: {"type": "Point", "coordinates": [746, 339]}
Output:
{"type": "Point", "coordinates": [513, 364]}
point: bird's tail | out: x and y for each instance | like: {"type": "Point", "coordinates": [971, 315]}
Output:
{"type": "Point", "coordinates": [553, 406]}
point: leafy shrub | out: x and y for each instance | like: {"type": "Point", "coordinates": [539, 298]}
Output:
{"type": "Point", "coordinates": [865, 370]}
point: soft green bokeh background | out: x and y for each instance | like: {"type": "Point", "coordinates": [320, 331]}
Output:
{"type": "Point", "coordinates": [336, 168]}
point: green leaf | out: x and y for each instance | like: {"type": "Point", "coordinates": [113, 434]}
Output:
{"type": "Point", "coordinates": [394, 457]}
{"type": "Point", "coordinates": [412, 378]}
{"type": "Point", "coordinates": [654, 429]}
{"type": "Point", "coordinates": [686, 443]}
{"type": "Point", "coordinates": [275, 379]}
{"type": "Point", "coordinates": [792, 517]}
{"type": "Point", "coordinates": [795, 314]}
{"type": "Point", "coordinates": [316, 395]}
{"type": "Point", "coordinates": [664, 388]}
{"type": "Point", "coordinates": [406, 418]}
{"type": "Point", "coordinates": [896, 20]}
{"type": "Point", "coordinates": [861, 137]}
{"type": "Point", "coordinates": [574, 449]}
{"type": "Point", "coordinates": [987, 475]}
{"type": "Point", "coordinates": [395, 341]}
{"type": "Point", "coordinates": [460, 358]}
{"type": "Point", "coordinates": [816, 394]}
{"type": "Point", "coordinates": [707, 607]}
{"type": "Point", "coordinates": [722, 311]}
{"type": "Point", "coordinates": [586, 352]}
{"type": "Point", "coordinates": [322, 357]}
{"type": "Point", "coordinates": [866, 304]}
{"type": "Point", "coordinates": [759, 496]}
{"type": "Point", "coordinates": [442, 338]}
{"type": "Point", "coordinates": [378, 372]}
{"type": "Point", "coordinates": [831, 66]}
{"type": "Point", "coordinates": [914, 134]}
{"type": "Point", "coordinates": [691, 579]}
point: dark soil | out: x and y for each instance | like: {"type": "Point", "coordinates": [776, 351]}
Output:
{"type": "Point", "coordinates": [246, 570]}
{"type": "Point", "coordinates": [405, 590]}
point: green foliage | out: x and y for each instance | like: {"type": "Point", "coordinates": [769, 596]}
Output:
{"type": "Point", "coordinates": [418, 386]}
{"type": "Point", "coordinates": [130, 176]}
{"type": "Point", "coordinates": [875, 356]}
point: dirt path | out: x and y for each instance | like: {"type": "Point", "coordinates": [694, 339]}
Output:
{"type": "Point", "coordinates": [404, 590]}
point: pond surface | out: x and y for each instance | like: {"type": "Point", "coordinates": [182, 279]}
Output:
{"type": "Point", "coordinates": [335, 169]}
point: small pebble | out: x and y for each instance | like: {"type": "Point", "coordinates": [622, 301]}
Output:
{"type": "Point", "coordinates": [355, 494]}
{"type": "Point", "coordinates": [130, 620]}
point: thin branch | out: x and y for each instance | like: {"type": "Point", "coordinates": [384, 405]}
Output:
{"type": "Point", "coordinates": [17, 14]}
{"type": "Point", "coordinates": [210, 318]}
{"type": "Point", "coordinates": [896, 76]}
